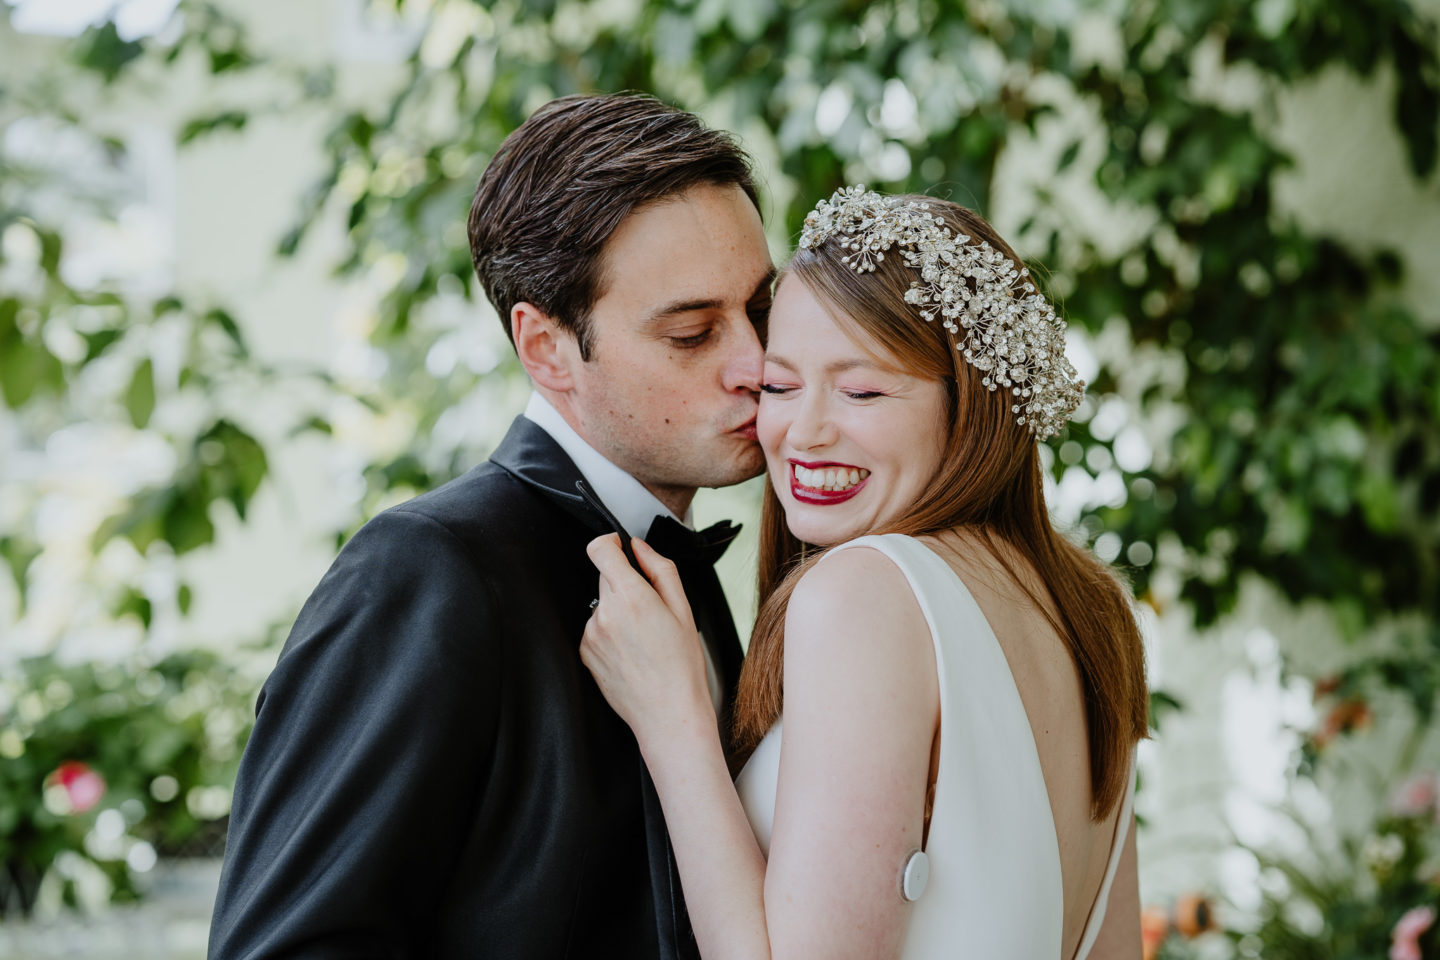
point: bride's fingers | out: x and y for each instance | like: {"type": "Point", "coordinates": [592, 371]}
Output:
{"type": "Point", "coordinates": [666, 580]}
{"type": "Point", "coordinates": [609, 559]}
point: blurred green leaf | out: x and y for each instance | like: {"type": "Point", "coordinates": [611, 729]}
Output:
{"type": "Point", "coordinates": [140, 395]}
{"type": "Point", "coordinates": [226, 322]}
{"type": "Point", "coordinates": [26, 367]}
{"type": "Point", "coordinates": [136, 604]}
{"type": "Point", "coordinates": [18, 555]}
{"type": "Point", "coordinates": [233, 120]}
{"type": "Point", "coordinates": [1067, 157]}
{"type": "Point", "coordinates": [101, 49]}
{"type": "Point", "coordinates": [98, 342]}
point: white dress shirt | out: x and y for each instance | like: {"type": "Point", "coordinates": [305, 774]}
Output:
{"type": "Point", "coordinates": [633, 505]}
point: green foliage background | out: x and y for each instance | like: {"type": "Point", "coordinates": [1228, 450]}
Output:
{"type": "Point", "coordinates": [1289, 393]}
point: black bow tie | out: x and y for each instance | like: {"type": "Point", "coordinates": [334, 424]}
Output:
{"type": "Point", "coordinates": [673, 539]}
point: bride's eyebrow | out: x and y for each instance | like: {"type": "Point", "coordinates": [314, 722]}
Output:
{"type": "Point", "coordinates": [779, 360]}
{"type": "Point", "coordinates": [834, 366]}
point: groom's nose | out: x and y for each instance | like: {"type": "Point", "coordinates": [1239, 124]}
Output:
{"type": "Point", "coordinates": [744, 360]}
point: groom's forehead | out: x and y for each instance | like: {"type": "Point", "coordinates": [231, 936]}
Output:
{"type": "Point", "coordinates": [686, 253]}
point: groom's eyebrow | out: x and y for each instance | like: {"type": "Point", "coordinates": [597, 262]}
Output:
{"type": "Point", "coordinates": [677, 307]}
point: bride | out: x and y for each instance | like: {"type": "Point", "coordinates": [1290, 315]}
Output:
{"type": "Point", "coordinates": [961, 688]}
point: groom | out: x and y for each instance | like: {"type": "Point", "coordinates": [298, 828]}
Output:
{"type": "Point", "coordinates": [433, 773]}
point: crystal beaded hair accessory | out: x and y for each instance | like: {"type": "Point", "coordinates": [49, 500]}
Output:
{"type": "Point", "coordinates": [1009, 333]}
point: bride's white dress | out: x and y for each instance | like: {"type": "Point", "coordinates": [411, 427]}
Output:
{"type": "Point", "coordinates": [994, 888]}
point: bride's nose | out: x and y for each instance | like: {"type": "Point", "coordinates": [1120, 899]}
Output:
{"type": "Point", "coordinates": [813, 427]}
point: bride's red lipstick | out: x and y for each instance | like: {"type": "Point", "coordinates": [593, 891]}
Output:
{"type": "Point", "coordinates": [822, 497]}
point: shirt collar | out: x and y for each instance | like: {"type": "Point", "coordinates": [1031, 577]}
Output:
{"type": "Point", "coordinates": [627, 498]}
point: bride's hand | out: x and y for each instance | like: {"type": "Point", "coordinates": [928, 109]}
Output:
{"type": "Point", "coordinates": [641, 644]}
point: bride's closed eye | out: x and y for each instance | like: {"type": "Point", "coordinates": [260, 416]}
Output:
{"type": "Point", "coordinates": [775, 388]}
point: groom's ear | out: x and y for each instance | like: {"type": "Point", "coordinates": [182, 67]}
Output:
{"type": "Point", "coordinates": [547, 351]}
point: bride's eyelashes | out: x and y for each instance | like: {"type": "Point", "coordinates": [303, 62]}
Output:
{"type": "Point", "coordinates": [779, 390]}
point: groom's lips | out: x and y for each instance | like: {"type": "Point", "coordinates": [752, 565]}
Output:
{"type": "Point", "coordinates": [821, 497]}
{"type": "Point", "coordinates": [746, 430]}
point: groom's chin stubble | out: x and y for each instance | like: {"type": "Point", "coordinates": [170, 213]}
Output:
{"type": "Point", "coordinates": [744, 466]}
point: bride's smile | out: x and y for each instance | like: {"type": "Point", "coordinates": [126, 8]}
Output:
{"type": "Point", "coordinates": [850, 440]}
{"type": "Point", "coordinates": [826, 482]}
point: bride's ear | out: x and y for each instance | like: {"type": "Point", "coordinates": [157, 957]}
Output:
{"type": "Point", "coordinates": [547, 351]}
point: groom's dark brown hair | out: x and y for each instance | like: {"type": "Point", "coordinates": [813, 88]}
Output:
{"type": "Point", "coordinates": [566, 178]}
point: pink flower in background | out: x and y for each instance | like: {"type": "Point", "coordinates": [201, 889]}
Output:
{"type": "Point", "coordinates": [1416, 796]}
{"type": "Point", "coordinates": [1405, 938]}
{"type": "Point", "coordinates": [83, 786]}
{"type": "Point", "coordinates": [1154, 928]}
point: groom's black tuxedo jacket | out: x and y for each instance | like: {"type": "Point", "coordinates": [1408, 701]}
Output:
{"type": "Point", "coordinates": [433, 772]}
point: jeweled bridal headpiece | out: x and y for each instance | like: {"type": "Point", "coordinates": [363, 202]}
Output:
{"type": "Point", "coordinates": [1011, 335]}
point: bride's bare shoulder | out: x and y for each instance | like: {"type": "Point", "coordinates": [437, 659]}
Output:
{"type": "Point", "coordinates": [855, 632]}
{"type": "Point", "coordinates": [852, 589]}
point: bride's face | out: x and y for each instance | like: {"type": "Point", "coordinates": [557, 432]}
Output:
{"type": "Point", "coordinates": [850, 440]}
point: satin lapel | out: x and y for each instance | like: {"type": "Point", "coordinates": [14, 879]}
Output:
{"type": "Point", "coordinates": [533, 457]}
{"type": "Point", "coordinates": [712, 616]}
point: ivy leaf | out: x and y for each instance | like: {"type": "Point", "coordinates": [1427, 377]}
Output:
{"type": "Point", "coordinates": [226, 322]}
{"type": "Point", "coordinates": [140, 395]}
{"type": "Point", "coordinates": [1162, 703]}
{"type": "Point", "coordinates": [25, 365]}
{"type": "Point", "coordinates": [185, 524]}
{"type": "Point", "coordinates": [102, 50]}
{"type": "Point", "coordinates": [290, 241]}
{"type": "Point", "coordinates": [234, 464]}
{"type": "Point", "coordinates": [200, 126]}
{"type": "Point", "coordinates": [18, 555]}
{"type": "Point", "coordinates": [1067, 157]}
{"type": "Point", "coordinates": [98, 342]}
{"type": "Point", "coordinates": [136, 604]}
{"type": "Point", "coordinates": [316, 424]}
{"type": "Point", "coordinates": [51, 246]}
{"type": "Point", "coordinates": [231, 58]}
{"type": "Point", "coordinates": [140, 523]}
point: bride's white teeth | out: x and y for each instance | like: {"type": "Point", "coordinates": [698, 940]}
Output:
{"type": "Point", "coordinates": [832, 479]}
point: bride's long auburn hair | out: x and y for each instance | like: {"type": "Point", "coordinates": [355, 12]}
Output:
{"type": "Point", "coordinates": [988, 482]}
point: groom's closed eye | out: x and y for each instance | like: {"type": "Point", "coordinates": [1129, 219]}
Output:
{"type": "Point", "coordinates": [690, 341]}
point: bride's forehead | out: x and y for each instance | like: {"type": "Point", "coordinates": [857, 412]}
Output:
{"type": "Point", "coordinates": [804, 326]}
{"type": "Point", "coordinates": [798, 312]}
